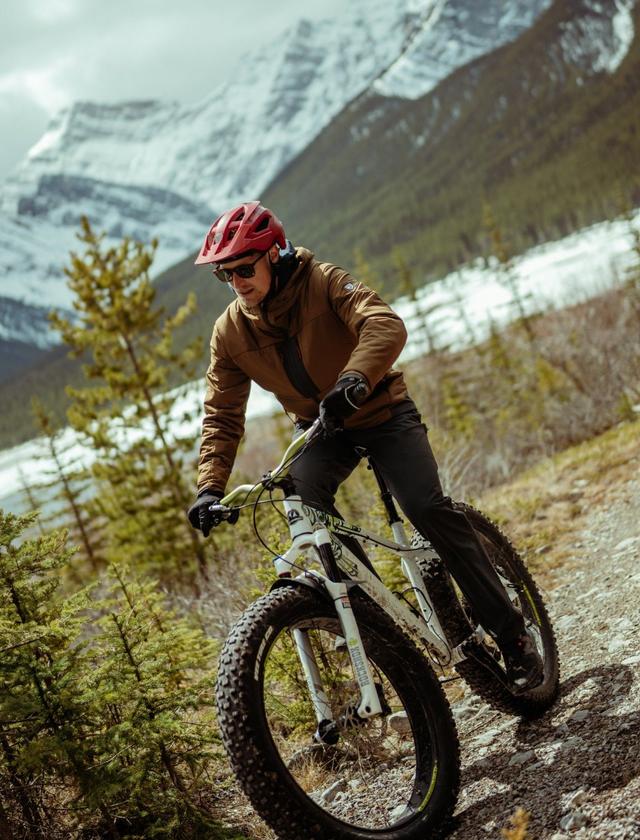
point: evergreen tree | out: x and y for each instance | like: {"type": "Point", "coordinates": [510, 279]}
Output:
{"type": "Point", "coordinates": [632, 278]}
{"type": "Point", "coordinates": [524, 321]}
{"type": "Point", "coordinates": [463, 315]}
{"type": "Point", "coordinates": [365, 273]}
{"type": "Point", "coordinates": [30, 498]}
{"type": "Point", "coordinates": [507, 275]}
{"type": "Point", "coordinates": [44, 747]}
{"type": "Point", "coordinates": [151, 684]}
{"type": "Point", "coordinates": [106, 708]}
{"type": "Point", "coordinates": [458, 414]}
{"type": "Point", "coordinates": [139, 470]}
{"type": "Point", "coordinates": [71, 481]}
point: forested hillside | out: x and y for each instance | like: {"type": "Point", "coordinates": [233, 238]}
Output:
{"type": "Point", "coordinates": [523, 359]}
{"type": "Point", "coordinates": [539, 129]}
{"type": "Point", "coordinates": [55, 369]}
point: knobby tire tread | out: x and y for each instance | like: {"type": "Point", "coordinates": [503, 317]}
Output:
{"type": "Point", "coordinates": [454, 621]}
{"type": "Point", "coordinates": [262, 779]}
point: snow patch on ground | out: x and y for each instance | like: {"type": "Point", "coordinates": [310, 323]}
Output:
{"type": "Point", "coordinates": [624, 32]}
{"type": "Point", "coordinates": [549, 276]}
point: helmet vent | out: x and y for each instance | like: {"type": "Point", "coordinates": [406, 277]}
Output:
{"type": "Point", "coordinates": [249, 227]}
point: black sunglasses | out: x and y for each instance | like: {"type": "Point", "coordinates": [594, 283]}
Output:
{"type": "Point", "coordinates": [244, 271]}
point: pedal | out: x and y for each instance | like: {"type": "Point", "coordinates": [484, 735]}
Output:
{"type": "Point", "coordinates": [470, 649]}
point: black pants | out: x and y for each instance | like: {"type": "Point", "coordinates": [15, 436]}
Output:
{"type": "Point", "coordinates": [400, 449]}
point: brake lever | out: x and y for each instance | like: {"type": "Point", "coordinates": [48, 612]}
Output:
{"type": "Point", "coordinates": [224, 513]}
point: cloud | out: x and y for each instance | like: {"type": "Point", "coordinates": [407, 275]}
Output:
{"type": "Point", "coordinates": [40, 86]}
{"type": "Point", "coordinates": [48, 11]}
{"type": "Point", "coordinates": [54, 52]}
{"type": "Point", "coordinates": [16, 110]}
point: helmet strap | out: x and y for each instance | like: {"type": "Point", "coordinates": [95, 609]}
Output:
{"type": "Point", "coordinates": [281, 271]}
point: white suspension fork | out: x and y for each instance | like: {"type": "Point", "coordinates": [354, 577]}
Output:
{"type": "Point", "coordinates": [369, 701]}
{"type": "Point", "coordinates": [312, 676]}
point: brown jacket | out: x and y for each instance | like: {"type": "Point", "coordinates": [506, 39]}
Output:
{"type": "Point", "coordinates": [330, 324]}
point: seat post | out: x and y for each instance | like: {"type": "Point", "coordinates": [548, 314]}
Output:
{"type": "Point", "coordinates": [385, 493]}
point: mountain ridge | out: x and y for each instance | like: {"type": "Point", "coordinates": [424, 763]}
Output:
{"type": "Point", "coordinates": [596, 120]}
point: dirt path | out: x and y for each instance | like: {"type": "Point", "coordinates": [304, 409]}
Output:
{"type": "Point", "coordinates": [576, 770]}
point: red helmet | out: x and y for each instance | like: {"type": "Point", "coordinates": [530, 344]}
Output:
{"type": "Point", "coordinates": [247, 227]}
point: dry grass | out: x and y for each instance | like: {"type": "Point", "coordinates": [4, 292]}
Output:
{"type": "Point", "coordinates": [545, 508]}
{"type": "Point", "coordinates": [519, 822]}
{"type": "Point", "coordinates": [530, 391]}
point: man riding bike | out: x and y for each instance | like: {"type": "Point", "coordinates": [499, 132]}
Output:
{"type": "Point", "coordinates": [324, 345]}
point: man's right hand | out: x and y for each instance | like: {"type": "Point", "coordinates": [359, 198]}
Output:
{"type": "Point", "coordinates": [343, 400]}
{"type": "Point", "coordinates": [200, 517]}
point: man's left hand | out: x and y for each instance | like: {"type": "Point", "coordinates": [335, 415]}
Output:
{"type": "Point", "coordinates": [343, 400]}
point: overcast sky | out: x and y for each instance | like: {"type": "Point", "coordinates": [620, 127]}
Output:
{"type": "Point", "coordinates": [53, 52]}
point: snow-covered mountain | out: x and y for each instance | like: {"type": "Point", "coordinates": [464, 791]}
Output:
{"type": "Point", "coordinates": [162, 169]}
{"type": "Point", "coordinates": [35, 241]}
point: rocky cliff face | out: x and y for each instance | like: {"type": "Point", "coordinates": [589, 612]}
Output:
{"type": "Point", "coordinates": [452, 34]}
{"type": "Point", "coordinates": [163, 169]}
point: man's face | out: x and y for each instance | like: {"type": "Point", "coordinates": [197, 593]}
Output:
{"type": "Point", "coordinates": [253, 290]}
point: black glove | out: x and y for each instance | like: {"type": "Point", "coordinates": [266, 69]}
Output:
{"type": "Point", "coordinates": [343, 400]}
{"type": "Point", "coordinates": [200, 517]}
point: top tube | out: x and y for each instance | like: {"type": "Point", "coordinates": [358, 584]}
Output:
{"type": "Point", "coordinates": [248, 492]}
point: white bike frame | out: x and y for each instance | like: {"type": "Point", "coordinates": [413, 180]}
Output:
{"type": "Point", "coordinates": [312, 530]}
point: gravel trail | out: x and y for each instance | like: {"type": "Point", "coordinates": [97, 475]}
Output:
{"type": "Point", "coordinates": [577, 769]}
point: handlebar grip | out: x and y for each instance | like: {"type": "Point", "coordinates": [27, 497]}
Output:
{"type": "Point", "coordinates": [359, 392]}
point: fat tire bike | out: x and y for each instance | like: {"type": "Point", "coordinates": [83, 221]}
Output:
{"type": "Point", "coordinates": [329, 706]}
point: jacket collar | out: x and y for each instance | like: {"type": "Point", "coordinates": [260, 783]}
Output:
{"type": "Point", "coordinates": [273, 316]}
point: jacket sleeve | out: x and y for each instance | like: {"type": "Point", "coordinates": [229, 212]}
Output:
{"type": "Point", "coordinates": [380, 333]}
{"type": "Point", "coordinates": [225, 404]}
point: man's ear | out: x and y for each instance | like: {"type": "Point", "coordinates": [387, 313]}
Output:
{"type": "Point", "coordinates": [274, 253]}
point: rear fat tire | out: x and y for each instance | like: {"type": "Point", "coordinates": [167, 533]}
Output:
{"type": "Point", "coordinates": [453, 617]}
{"type": "Point", "coordinates": [270, 786]}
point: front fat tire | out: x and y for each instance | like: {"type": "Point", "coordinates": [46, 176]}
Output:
{"type": "Point", "coordinates": [273, 791]}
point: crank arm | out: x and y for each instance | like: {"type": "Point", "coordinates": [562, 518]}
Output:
{"type": "Point", "coordinates": [470, 649]}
